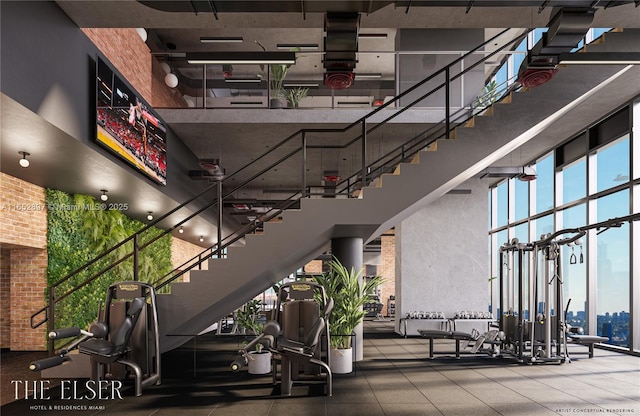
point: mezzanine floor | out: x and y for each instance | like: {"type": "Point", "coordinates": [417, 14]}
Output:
{"type": "Point", "coordinates": [395, 378]}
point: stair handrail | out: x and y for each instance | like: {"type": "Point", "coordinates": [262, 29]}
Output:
{"type": "Point", "coordinates": [49, 309]}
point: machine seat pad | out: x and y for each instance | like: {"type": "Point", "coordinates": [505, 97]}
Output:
{"type": "Point", "coordinates": [465, 336]}
{"type": "Point", "coordinates": [434, 333]}
{"type": "Point", "coordinates": [587, 339]}
{"type": "Point", "coordinates": [99, 347]}
{"type": "Point", "coordinates": [290, 345]}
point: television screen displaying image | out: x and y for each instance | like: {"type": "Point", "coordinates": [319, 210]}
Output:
{"type": "Point", "coordinates": [128, 127]}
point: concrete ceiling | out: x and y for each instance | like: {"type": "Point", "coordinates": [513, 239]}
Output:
{"type": "Point", "coordinates": [209, 133]}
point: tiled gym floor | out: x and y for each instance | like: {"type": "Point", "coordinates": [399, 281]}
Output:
{"type": "Point", "coordinates": [396, 378]}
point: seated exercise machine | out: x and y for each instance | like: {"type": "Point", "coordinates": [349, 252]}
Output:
{"type": "Point", "coordinates": [124, 339]}
{"type": "Point", "coordinates": [298, 337]}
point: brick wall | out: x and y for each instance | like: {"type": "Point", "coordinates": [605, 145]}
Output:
{"type": "Point", "coordinates": [314, 266]}
{"type": "Point", "coordinates": [130, 55]}
{"type": "Point", "coordinates": [23, 262]}
{"type": "Point", "coordinates": [28, 285]}
{"type": "Point", "coordinates": [182, 251]}
{"type": "Point", "coordinates": [5, 298]}
{"type": "Point", "coordinates": [23, 217]}
{"type": "Point", "coordinates": [388, 269]}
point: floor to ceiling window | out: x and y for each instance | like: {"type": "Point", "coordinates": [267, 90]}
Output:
{"type": "Point", "coordinates": [589, 179]}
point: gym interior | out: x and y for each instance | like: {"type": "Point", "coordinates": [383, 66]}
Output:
{"type": "Point", "coordinates": [470, 171]}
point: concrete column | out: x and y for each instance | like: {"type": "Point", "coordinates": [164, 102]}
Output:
{"type": "Point", "coordinates": [348, 251]}
{"type": "Point", "coordinates": [442, 257]}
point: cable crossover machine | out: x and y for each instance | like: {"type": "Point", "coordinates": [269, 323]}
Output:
{"type": "Point", "coordinates": [534, 328]}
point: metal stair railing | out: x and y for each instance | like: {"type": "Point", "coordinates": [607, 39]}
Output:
{"type": "Point", "coordinates": [267, 162]}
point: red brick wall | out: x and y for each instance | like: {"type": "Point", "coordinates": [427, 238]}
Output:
{"type": "Point", "coordinates": [23, 221]}
{"type": "Point", "coordinates": [182, 251]}
{"type": "Point", "coordinates": [28, 285]}
{"type": "Point", "coordinates": [23, 217]}
{"type": "Point", "coordinates": [314, 266]}
{"type": "Point", "coordinates": [130, 55]}
{"type": "Point", "coordinates": [5, 298]}
{"type": "Point", "coordinates": [388, 269]}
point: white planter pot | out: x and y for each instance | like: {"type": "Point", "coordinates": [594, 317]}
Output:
{"type": "Point", "coordinates": [259, 363]}
{"type": "Point", "coordinates": [341, 360]}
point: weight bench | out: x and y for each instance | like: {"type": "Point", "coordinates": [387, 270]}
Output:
{"type": "Point", "coordinates": [457, 336]}
{"type": "Point", "coordinates": [588, 340]}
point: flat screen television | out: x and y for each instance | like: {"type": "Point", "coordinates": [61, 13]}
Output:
{"type": "Point", "coordinates": [128, 126]}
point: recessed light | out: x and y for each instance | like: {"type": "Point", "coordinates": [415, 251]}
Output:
{"type": "Point", "coordinates": [243, 80]}
{"type": "Point", "coordinates": [221, 39]}
{"type": "Point", "coordinates": [301, 84]}
{"type": "Point", "coordinates": [373, 35]}
{"type": "Point", "coordinates": [368, 76]}
{"type": "Point", "coordinates": [301, 46]}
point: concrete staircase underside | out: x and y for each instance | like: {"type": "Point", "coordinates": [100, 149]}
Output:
{"type": "Point", "coordinates": [306, 233]}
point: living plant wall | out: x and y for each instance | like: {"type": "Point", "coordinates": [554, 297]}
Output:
{"type": "Point", "coordinates": [80, 229]}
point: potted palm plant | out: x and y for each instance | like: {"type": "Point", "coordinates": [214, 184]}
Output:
{"type": "Point", "coordinates": [349, 296]}
{"type": "Point", "coordinates": [259, 360]}
{"type": "Point", "coordinates": [277, 74]}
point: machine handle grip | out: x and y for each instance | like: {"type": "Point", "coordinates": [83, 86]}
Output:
{"type": "Point", "coordinates": [238, 363]}
{"type": "Point", "coordinates": [47, 362]}
{"type": "Point", "coordinates": [73, 331]}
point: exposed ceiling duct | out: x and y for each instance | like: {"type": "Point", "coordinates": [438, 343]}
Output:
{"type": "Point", "coordinates": [340, 46]}
{"type": "Point", "coordinates": [567, 28]}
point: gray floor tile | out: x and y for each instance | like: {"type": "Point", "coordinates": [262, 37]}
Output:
{"type": "Point", "coordinates": [396, 395]}
{"type": "Point", "coordinates": [369, 409]}
{"type": "Point", "coordinates": [501, 395]}
{"type": "Point", "coordinates": [403, 409]}
{"type": "Point", "coordinates": [450, 396]}
{"type": "Point", "coordinates": [282, 407]}
{"type": "Point", "coordinates": [466, 410]}
{"type": "Point", "coordinates": [522, 409]}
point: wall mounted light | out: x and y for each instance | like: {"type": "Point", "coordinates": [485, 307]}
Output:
{"type": "Point", "coordinates": [181, 229]}
{"type": "Point", "coordinates": [150, 215]}
{"type": "Point", "coordinates": [24, 162]}
{"type": "Point", "coordinates": [165, 67]}
{"type": "Point", "coordinates": [171, 80]}
{"type": "Point", "coordinates": [104, 195]}
{"type": "Point", "coordinates": [201, 239]}
{"type": "Point", "coordinates": [142, 33]}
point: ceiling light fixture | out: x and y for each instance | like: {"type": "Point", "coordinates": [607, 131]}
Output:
{"type": "Point", "coordinates": [368, 76]}
{"type": "Point", "coordinates": [201, 239]}
{"type": "Point", "coordinates": [600, 58]}
{"type": "Point", "coordinates": [142, 32]}
{"type": "Point", "coordinates": [221, 39]}
{"type": "Point", "coordinates": [301, 46]}
{"type": "Point", "coordinates": [104, 195]}
{"type": "Point", "coordinates": [149, 215]}
{"type": "Point", "coordinates": [181, 229]}
{"type": "Point", "coordinates": [171, 80]}
{"type": "Point", "coordinates": [243, 80]}
{"type": "Point", "coordinates": [373, 35]}
{"type": "Point", "coordinates": [301, 84]}
{"type": "Point", "coordinates": [263, 58]}
{"type": "Point", "coordinates": [24, 162]}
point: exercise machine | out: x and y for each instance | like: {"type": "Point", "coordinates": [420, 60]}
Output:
{"type": "Point", "coordinates": [297, 336]}
{"type": "Point", "coordinates": [122, 341]}
{"type": "Point", "coordinates": [531, 296]}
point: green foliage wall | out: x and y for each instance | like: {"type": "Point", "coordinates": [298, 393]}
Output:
{"type": "Point", "coordinates": [79, 229]}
